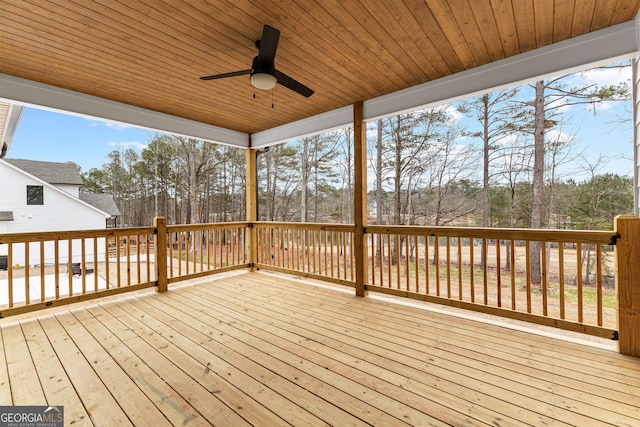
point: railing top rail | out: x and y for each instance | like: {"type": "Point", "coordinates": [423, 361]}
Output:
{"type": "Point", "coordinates": [577, 236]}
{"type": "Point", "coordinates": [207, 226]}
{"type": "Point", "coordinates": [307, 225]}
{"type": "Point", "coordinates": [573, 236]}
{"type": "Point", "coordinates": [74, 234]}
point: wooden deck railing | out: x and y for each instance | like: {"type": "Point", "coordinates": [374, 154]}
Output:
{"type": "Point", "coordinates": [589, 281]}
{"type": "Point", "coordinates": [322, 251]}
{"type": "Point", "coordinates": [54, 268]}
{"type": "Point", "coordinates": [486, 270]}
{"type": "Point", "coordinates": [44, 269]}
{"type": "Point", "coordinates": [199, 249]}
{"type": "Point", "coordinates": [490, 270]}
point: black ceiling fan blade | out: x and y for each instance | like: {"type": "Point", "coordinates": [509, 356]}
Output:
{"type": "Point", "coordinates": [223, 75]}
{"type": "Point", "coordinates": [268, 44]}
{"type": "Point", "coordinates": [293, 84]}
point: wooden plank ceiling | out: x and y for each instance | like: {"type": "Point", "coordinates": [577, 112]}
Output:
{"type": "Point", "coordinates": [151, 53]}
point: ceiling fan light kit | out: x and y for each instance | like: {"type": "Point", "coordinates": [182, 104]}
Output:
{"type": "Point", "coordinates": [263, 74]}
{"type": "Point", "coordinates": [263, 81]}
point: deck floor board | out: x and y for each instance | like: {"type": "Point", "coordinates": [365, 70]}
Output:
{"type": "Point", "coordinates": [475, 355]}
{"type": "Point", "coordinates": [265, 350]}
{"type": "Point", "coordinates": [454, 378]}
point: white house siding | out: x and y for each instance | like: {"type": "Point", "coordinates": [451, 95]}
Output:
{"type": "Point", "coordinates": [59, 212]}
{"type": "Point", "coordinates": [74, 190]}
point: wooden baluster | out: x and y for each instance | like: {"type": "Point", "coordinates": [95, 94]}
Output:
{"type": "Point", "coordinates": [448, 253]}
{"type": "Point", "coordinates": [543, 262]}
{"type": "Point", "coordinates": [106, 263]}
{"type": "Point", "coordinates": [599, 283]}
{"type": "Point", "coordinates": [83, 265]}
{"type": "Point", "coordinates": [498, 274]}
{"type": "Point", "coordinates": [10, 273]}
{"type": "Point", "coordinates": [138, 263]}
{"type": "Point", "coordinates": [579, 280]}
{"type": "Point", "coordinates": [561, 278]}
{"type": "Point", "coordinates": [389, 260]}
{"type": "Point", "coordinates": [128, 251]}
{"type": "Point", "coordinates": [70, 265]}
{"type": "Point", "coordinates": [426, 264]}
{"type": "Point", "coordinates": [485, 273]}
{"type": "Point", "coordinates": [96, 272]}
{"type": "Point", "coordinates": [460, 268]}
{"type": "Point", "coordinates": [373, 259]}
{"type": "Point", "coordinates": [436, 257]}
{"type": "Point", "coordinates": [528, 273]}
{"type": "Point", "coordinates": [513, 274]}
{"type": "Point", "coordinates": [472, 271]}
{"type": "Point", "coordinates": [416, 242]}
{"type": "Point", "coordinates": [42, 279]}
{"type": "Point", "coordinates": [406, 261]}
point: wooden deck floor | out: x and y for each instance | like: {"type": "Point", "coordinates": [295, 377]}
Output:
{"type": "Point", "coordinates": [259, 349]}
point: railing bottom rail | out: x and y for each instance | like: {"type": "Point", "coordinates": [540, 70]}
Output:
{"type": "Point", "coordinates": [14, 311]}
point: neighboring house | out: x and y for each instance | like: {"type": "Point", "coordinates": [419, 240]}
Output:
{"type": "Point", "coordinates": [40, 196]}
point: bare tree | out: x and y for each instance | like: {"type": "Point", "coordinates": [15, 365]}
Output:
{"type": "Point", "coordinates": [497, 114]}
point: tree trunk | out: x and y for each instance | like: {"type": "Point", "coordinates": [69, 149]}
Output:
{"type": "Point", "coordinates": [537, 202]}
{"type": "Point", "coordinates": [397, 205]}
{"type": "Point", "coordinates": [379, 211]}
{"type": "Point", "coordinates": [304, 184]}
{"type": "Point", "coordinates": [485, 166]}
{"type": "Point", "coordinates": [486, 207]}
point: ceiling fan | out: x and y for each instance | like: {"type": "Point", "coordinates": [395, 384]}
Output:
{"type": "Point", "coordinates": [263, 73]}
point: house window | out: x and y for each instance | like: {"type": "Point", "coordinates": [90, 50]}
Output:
{"type": "Point", "coordinates": [35, 195]}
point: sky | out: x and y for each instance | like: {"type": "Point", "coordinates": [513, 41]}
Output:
{"type": "Point", "coordinates": [58, 137]}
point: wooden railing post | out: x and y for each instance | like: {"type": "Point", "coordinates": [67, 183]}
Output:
{"type": "Point", "coordinates": [251, 205]}
{"type": "Point", "coordinates": [360, 211]}
{"type": "Point", "coordinates": [627, 277]}
{"type": "Point", "coordinates": [160, 224]}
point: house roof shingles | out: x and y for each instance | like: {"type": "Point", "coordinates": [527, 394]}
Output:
{"type": "Point", "coordinates": [102, 201]}
{"type": "Point", "coordinates": [51, 172]}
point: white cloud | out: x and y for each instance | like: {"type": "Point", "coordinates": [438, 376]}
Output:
{"type": "Point", "coordinates": [128, 144]}
{"type": "Point", "coordinates": [557, 135]}
{"type": "Point", "coordinates": [108, 124]}
{"type": "Point", "coordinates": [454, 115]}
{"type": "Point", "coordinates": [606, 76]}
{"type": "Point", "coordinates": [605, 105]}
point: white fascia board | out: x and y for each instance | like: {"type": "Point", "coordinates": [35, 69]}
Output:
{"type": "Point", "coordinates": [325, 122]}
{"type": "Point", "coordinates": [569, 56]}
{"type": "Point", "coordinates": [38, 95]}
{"type": "Point", "coordinates": [14, 113]}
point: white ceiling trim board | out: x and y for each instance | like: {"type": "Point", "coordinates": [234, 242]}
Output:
{"type": "Point", "coordinates": [325, 122]}
{"type": "Point", "coordinates": [39, 95]}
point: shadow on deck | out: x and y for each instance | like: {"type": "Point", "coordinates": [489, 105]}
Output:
{"type": "Point", "coordinates": [262, 349]}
